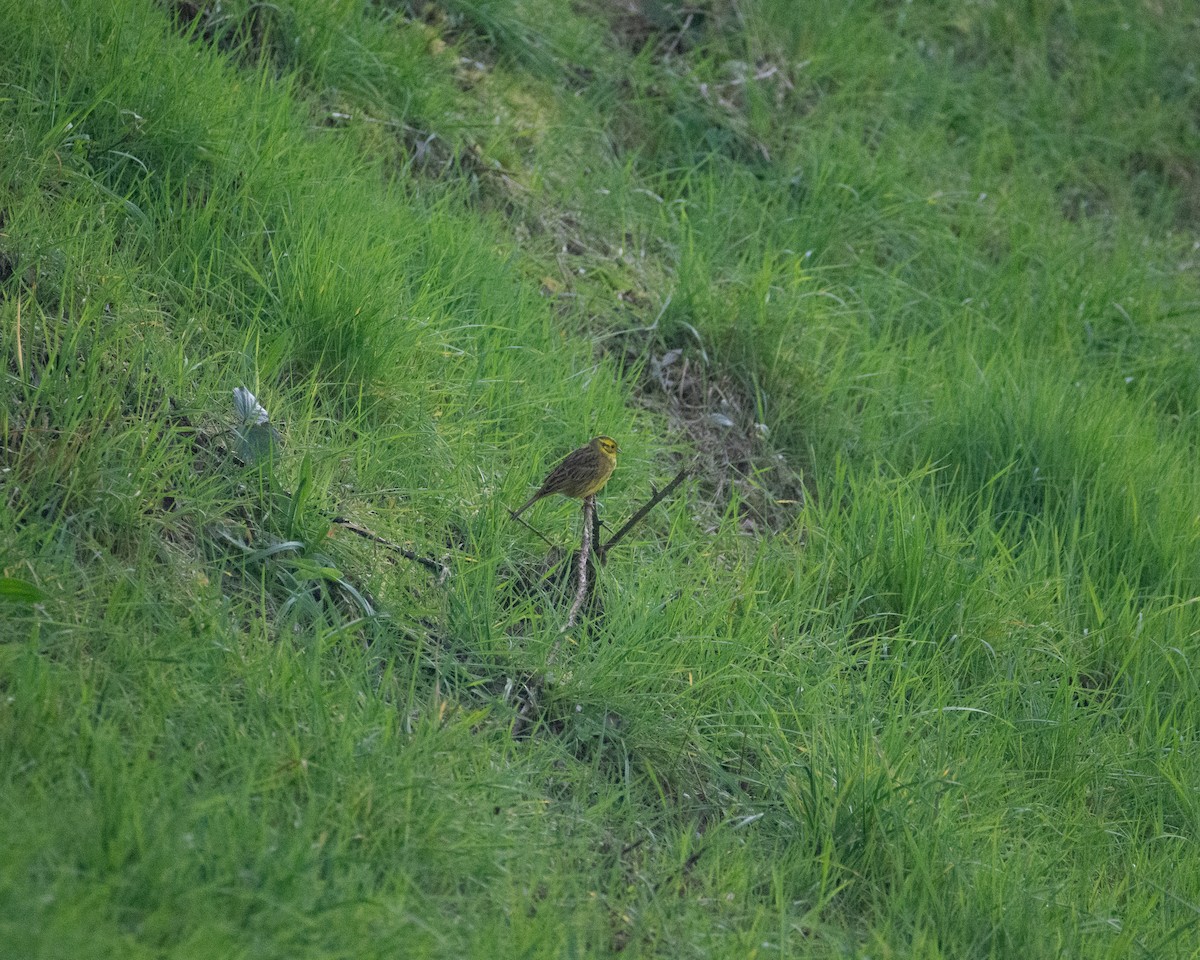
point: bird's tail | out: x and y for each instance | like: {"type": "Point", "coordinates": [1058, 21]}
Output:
{"type": "Point", "coordinates": [526, 505]}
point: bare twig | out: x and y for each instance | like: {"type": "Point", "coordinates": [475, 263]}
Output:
{"type": "Point", "coordinates": [657, 498]}
{"type": "Point", "coordinates": [596, 523]}
{"type": "Point", "coordinates": [654, 325]}
{"type": "Point", "coordinates": [585, 550]}
{"type": "Point", "coordinates": [521, 520]}
{"type": "Point", "coordinates": [681, 872]}
{"type": "Point", "coordinates": [429, 563]}
{"type": "Point", "coordinates": [527, 712]}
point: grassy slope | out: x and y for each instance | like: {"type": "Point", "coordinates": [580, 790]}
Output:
{"type": "Point", "coordinates": [944, 706]}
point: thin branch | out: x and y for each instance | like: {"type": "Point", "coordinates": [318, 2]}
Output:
{"type": "Point", "coordinates": [527, 712]}
{"type": "Point", "coordinates": [657, 498]}
{"type": "Point", "coordinates": [429, 563]}
{"type": "Point", "coordinates": [654, 325]}
{"type": "Point", "coordinates": [521, 520]}
{"type": "Point", "coordinates": [681, 872]}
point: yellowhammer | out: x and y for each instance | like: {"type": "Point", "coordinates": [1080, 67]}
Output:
{"type": "Point", "coordinates": [581, 474]}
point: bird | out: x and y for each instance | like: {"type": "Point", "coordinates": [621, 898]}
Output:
{"type": "Point", "coordinates": [582, 473]}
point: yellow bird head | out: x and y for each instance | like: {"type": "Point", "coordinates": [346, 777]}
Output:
{"type": "Point", "coordinates": [607, 446]}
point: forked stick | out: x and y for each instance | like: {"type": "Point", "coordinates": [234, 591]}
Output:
{"type": "Point", "coordinates": [585, 549]}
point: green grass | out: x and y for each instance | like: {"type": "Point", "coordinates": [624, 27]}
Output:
{"type": "Point", "coordinates": [905, 670]}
